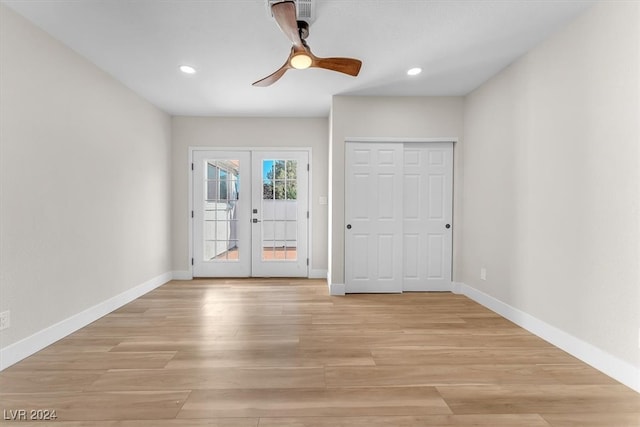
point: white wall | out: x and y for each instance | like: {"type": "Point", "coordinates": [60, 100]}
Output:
{"type": "Point", "coordinates": [551, 174]}
{"type": "Point", "coordinates": [85, 173]}
{"type": "Point", "coordinates": [390, 117]}
{"type": "Point", "coordinates": [249, 132]}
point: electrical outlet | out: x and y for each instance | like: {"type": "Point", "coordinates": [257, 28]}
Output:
{"type": "Point", "coordinates": [483, 273]}
{"type": "Point", "coordinates": [5, 320]}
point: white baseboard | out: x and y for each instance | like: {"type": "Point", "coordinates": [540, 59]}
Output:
{"type": "Point", "coordinates": [182, 275]}
{"type": "Point", "coordinates": [317, 274]}
{"type": "Point", "coordinates": [186, 275]}
{"type": "Point", "coordinates": [456, 287]}
{"type": "Point", "coordinates": [424, 287]}
{"type": "Point", "coordinates": [337, 288]}
{"type": "Point", "coordinates": [15, 352]}
{"type": "Point", "coordinates": [612, 366]}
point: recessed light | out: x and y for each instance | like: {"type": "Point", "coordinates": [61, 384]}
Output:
{"type": "Point", "coordinates": [414, 71]}
{"type": "Point", "coordinates": [187, 69]}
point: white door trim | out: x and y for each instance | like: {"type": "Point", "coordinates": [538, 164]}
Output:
{"type": "Point", "coordinates": [192, 149]}
{"type": "Point", "coordinates": [385, 139]}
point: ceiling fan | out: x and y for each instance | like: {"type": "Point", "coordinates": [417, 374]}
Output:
{"type": "Point", "coordinates": [301, 57]}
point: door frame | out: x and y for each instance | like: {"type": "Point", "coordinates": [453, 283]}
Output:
{"type": "Point", "coordinates": [342, 288]}
{"type": "Point", "coordinates": [190, 166]}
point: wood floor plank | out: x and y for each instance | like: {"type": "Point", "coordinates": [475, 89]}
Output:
{"type": "Point", "coordinates": [433, 375]}
{"type": "Point", "coordinates": [260, 319]}
{"type": "Point", "coordinates": [608, 418]}
{"type": "Point", "coordinates": [86, 406]}
{"type": "Point", "coordinates": [499, 420]}
{"type": "Point", "coordinates": [275, 357]}
{"type": "Point", "coordinates": [316, 330]}
{"type": "Point", "coordinates": [313, 402]}
{"type": "Point", "coordinates": [218, 422]}
{"type": "Point", "coordinates": [472, 355]}
{"type": "Point", "coordinates": [540, 399]}
{"type": "Point", "coordinates": [577, 374]}
{"type": "Point", "coordinates": [101, 360]}
{"type": "Point", "coordinates": [209, 378]}
{"type": "Point", "coordinates": [417, 341]}
{"type": "Point", "coordinates": [78, 344]}
{"type": "Point", "coordinates": [21, 381]}
{"type": "Point", "coordinates": [383, 316]}
{"type": "Point", "coordinates": [252, 307]}
{"type": "Point", "coordinates": [188, 331]}
{"type": "Point", "coordinates": [164, 344]}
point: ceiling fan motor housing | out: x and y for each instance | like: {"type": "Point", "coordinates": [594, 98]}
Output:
{"type": "Point", "coordinates": [306, 9]}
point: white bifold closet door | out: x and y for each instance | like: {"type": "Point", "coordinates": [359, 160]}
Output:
{"type": "Point", "coordinates": [398, 216]}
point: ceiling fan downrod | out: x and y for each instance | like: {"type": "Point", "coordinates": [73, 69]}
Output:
{"type": "Point", "coordinates": [303, 29]}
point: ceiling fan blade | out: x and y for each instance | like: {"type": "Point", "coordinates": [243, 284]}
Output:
{"type": "Point", "coordinates": [274, 77]}
{"type": "Point", "coordinates": [287, 19]}
{"type": "Point", "coordinates": [348, 66]}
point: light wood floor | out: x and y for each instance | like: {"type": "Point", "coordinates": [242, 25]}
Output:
{"type": "Point", "coordinates": [273, 353]}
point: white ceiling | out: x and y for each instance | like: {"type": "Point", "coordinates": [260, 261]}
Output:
{"type": "Point", "coordinates": [232, 43]}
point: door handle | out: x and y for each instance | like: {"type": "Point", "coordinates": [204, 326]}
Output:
{"type": "Point", "coordinates": [255, 220]}
{"type": "Point", "coordinates": [447, 226]}
{"type": "Point", "coordinates": [348, 226]}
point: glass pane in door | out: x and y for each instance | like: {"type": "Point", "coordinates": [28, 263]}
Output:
{"type": "Point", "coordinates": [279, 207]}
{"type": "Point", "coordinates": [221, 198]}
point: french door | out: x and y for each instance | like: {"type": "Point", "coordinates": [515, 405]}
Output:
{"type": "Point", "coordinates": [398, 212]}
{"type": "Point", "coordinates": [280, 214]}
{"type": "Point", "coordinates": [250, 213]}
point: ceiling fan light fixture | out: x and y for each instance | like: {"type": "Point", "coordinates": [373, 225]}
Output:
{"type": "Point", "coordinates": [414, 71]}
{"type": "Point", "coordinates": [301, 61]}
